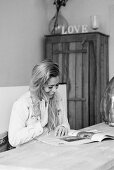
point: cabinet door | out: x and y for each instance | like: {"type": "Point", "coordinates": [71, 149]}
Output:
{"type": "Point", "coordinates": [78, 74]}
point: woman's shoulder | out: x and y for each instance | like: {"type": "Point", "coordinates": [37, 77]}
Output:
{"type": "Point", "coordinates": [24, 98]}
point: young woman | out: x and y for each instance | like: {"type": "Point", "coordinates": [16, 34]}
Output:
{"type": "Point", "coordinates": [40, 109]}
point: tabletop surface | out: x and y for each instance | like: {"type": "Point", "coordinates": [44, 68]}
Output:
{"type": "Point", "coordinates": [41, 156]}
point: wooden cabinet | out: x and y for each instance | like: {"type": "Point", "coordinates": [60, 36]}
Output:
{"type": "Point", "coordinates": [84, 65]}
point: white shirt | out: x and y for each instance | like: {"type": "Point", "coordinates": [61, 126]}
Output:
{"type": "Point", "coordinates": [19, 131]}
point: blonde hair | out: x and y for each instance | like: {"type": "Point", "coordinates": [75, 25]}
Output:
{"type": "Point", "coordinates": [40, 75]}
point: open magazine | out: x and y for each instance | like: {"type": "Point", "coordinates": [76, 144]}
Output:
{"type": "Point", "coordinates": [93, 136]}
{"type": "Point", "coordinates": [75, 137]}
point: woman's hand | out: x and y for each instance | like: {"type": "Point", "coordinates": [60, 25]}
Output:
{"type": "Point", "coordinates": [61, 131]}
{"type": "Point", "coordinates": [44, 112]}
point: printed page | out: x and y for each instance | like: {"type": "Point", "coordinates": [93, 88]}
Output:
{"type": "Point", "coordinates": [98, 137]}
{"type": "Point", "coordinates": [101, 136]}
{"type": "Point", "coordinates": [75, 137]}
{"type": "Point", "coordinates": [53, 140]}
{"type": "Point", "coordinates": [73, 132]}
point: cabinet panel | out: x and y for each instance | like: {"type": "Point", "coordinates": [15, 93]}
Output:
{"type": "Point", "coordinates": [83, 62]}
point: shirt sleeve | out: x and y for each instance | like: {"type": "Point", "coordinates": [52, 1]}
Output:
{"type": "Point", "coordinates": [19, 133]}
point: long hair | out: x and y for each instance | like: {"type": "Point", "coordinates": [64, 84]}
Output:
{"type": "Point", "coordinates": [40, 75]}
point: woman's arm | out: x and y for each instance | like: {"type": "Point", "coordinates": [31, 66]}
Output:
{"type": "Point", "coordinates": [19, 133]}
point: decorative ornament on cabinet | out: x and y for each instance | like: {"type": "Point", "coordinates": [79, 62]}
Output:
{"type": "Point", "coordinates": [94, 22]}
{"type": "Point", "coordinates": [58, 21]}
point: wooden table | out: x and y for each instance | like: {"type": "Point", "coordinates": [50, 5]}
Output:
{"type": "Point", "coordinates": [41, 156]}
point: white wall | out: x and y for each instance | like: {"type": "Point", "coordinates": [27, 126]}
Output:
{"type": "Point", "coordinates": [22, 28]}
{"type": "Point", "coordinates": [8, 95]}
{"type": "Point", "coordinates": [23, 24]}
{"type": "Point", "coordinates": [79, 12]}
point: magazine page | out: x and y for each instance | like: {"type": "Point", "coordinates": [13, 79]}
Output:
{"type": "Point", "coordinates": [74, 137]}
{"type": "Point", "coordinates": [61, 142]}
{"type": "Point", "coordinates": [101, 136]}
{"type": "Point", "coordinates": [79, 135]}
{"type": "Point", "coordinates": [93, 135]}
{"type": "Point", "coordinates": [51, 139]}
{"type": "Point", "coordinates": [73, 132]}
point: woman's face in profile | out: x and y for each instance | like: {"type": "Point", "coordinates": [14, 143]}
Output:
{"type": "Point", "coordinates": [51, 86]}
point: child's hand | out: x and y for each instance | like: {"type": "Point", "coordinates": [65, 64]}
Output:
{"type": "Point", "coordinates": [44, 112]}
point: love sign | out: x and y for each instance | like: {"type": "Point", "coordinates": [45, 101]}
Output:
{"type": "Point", "coordinates": [75, 29]}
